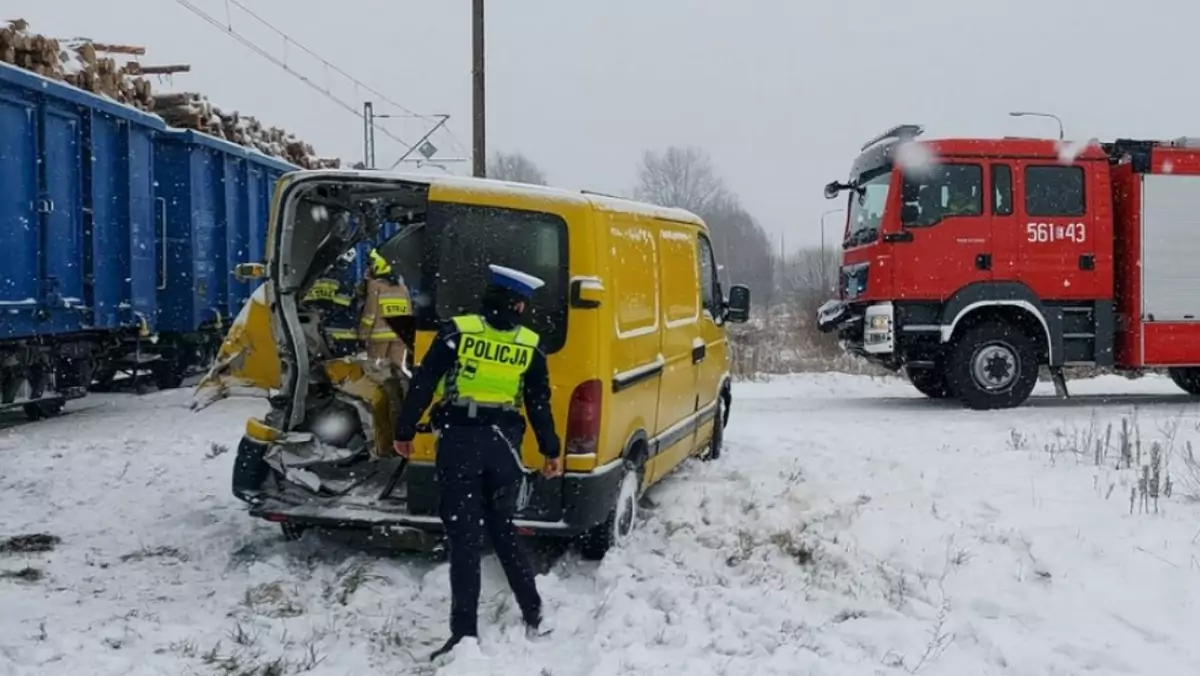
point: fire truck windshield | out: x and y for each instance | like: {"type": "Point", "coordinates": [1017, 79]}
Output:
{"type": "Point", "coordinates": [867, 201]}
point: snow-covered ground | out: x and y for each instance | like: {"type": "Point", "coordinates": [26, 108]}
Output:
{"type": "Point", "coordinates": [852, 527]}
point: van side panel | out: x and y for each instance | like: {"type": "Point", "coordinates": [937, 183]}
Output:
{"type": "Point", "coordinates": [680, 315]}
{"type": "Point", "coordinates": [632, 286]}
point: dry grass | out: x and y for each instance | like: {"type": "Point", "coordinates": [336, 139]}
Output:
{"type": "Point", "coordinates": [30, 543]}
{"type": "Point", "coordinates": [1151, 463]}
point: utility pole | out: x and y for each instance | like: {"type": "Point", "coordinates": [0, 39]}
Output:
{"type": "Point", "coordinates": [368, 135]}
{"type": "Point", "coordinates": [479, 145]}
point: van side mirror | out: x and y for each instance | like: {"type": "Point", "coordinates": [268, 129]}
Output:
{"type": "Point", "coordinates": [737, 310]}
{"type": "Point", "coordinates": [244, 272]}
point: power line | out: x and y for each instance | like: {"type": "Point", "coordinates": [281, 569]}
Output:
{"type": "Point", "coordinates": [324, 91]}
{"type": "Point", "coordinates": [358, 83]}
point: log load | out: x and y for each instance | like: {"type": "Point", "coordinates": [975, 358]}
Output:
{"type": "Point", "coordinates": [90, 66]}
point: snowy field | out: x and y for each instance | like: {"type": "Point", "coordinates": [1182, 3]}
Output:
{"type": "Point", "coordinates": [852, 527]}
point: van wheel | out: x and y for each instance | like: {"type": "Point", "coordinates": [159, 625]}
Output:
{"type": "Point", "coordinates": [292, 531]}
{"type": "Point", "coordinates": [39, 410]}
{"type": "Point", "coordinates": [993, 365]}
{"type": "Point", "coordinates": [713, 452]}
{"type": "Point", "coordinates": [617, 528]}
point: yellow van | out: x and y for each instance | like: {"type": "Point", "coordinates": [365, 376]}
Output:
{"type": "Point", "coordinates": [632, 318]}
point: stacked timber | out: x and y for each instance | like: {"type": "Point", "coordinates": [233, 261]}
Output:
{"type": "Point", "coordinates": [191, 110]}
{"type": "Point", "coordinates": [91, 66]}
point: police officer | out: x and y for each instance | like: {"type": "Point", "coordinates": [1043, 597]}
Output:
{"type": "Point", "coordinates": [332, 296]}
{"type": "Point", "coordinates": [485, 367]}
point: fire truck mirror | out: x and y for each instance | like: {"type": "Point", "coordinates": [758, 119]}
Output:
{"type": "Point", "coordinates": [737, 310]}
{"type": "Point", "coordinates": [832, 189]}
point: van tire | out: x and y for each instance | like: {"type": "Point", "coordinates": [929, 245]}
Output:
{"type": "Point", "coordinates": [619, 525]}
{"type": "Point", "coordinates": [40, 410]}
{"type": "Point", "coordinates": [292, 531]}
{"type": "Point", "coordinates": [715, 446]}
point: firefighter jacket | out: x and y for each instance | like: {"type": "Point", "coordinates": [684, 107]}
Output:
{"type": "Point", "coordinates": [485, 375]}
{"type": "Point", "coordinates": [334, 300]}
{"type": "Point", "coordinates": [386, 299]}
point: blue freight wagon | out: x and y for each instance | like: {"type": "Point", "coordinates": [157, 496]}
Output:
{"type": "Point", "coordinates": [213, 198]}
{"type": "Point", "coordinates": [118, 236]}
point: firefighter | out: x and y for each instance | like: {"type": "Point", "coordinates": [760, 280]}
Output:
{"type": "Point", "coordinates": [485, 367]}
{"type": "Point", "coordinates": [386, 312]}
{"type": "Point", "coordinates": [962, 199]}
{"type": "Point", "coordinates": [332, 297]}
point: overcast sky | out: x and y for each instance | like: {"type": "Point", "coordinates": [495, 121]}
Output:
{"type": "Point", "coordinates": [781, 92]}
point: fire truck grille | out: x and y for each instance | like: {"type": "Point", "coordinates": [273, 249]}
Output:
{"type": "Point", "coordinates": [853, 280]}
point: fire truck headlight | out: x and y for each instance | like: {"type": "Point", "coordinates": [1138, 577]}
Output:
{"type": "Point", "coordinates": [877, 329]}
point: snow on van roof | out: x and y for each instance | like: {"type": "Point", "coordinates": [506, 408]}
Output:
{"type": "Point", "coordinates": [498, 187]}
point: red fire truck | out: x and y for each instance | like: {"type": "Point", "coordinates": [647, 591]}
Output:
{"type": "Point", "coordinates": [971, 263]}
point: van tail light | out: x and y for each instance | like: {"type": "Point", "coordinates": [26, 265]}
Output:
{"type": "Point", "coordinates": [583, 418]}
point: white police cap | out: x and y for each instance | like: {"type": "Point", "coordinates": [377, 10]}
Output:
{"type": "Point", "coordinates": [515, 280]}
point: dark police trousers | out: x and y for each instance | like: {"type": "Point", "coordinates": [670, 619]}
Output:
{"type": "Point", "coordinates": [478, 479]}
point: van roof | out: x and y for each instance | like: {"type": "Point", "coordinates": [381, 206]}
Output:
{"type": "Point", "coordinates": [494, 186]}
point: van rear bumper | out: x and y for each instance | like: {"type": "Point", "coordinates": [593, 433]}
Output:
{"type": "Point", "coordinates": [563, 507]}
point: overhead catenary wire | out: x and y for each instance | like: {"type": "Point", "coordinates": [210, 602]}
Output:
{"type": "Point", "coordinates": [436, 119]}
{"type": "Point", "coordinates": [357, 83]}
{"type": "Point", "coordinates": [282, 63]}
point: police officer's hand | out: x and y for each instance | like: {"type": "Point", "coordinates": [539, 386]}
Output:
{"type": "Point", "coordinates": [551, 468]}
{"type": "Point", "coordinates": [403, 449]}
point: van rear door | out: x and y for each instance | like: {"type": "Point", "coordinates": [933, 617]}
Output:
{"type": "Point", "coordinates": [444, 263]}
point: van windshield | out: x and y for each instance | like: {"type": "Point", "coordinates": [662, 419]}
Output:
{"type": "Point", "coordinates": [444, 262]}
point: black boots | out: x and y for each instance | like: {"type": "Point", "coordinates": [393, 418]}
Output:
{"type": "Point", "coordinates": [447, 646]}
{"type": "Point", "coordinates": [534, 628]}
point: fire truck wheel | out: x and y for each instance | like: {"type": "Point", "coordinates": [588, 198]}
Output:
{"type": "Point", "coordinates": [1188, 379]}
{"type": "Point", "coordinates": [930, 382]}
{"type": "Point", "coordinates": [993, 365]}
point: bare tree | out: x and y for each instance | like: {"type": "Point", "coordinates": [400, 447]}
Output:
{"type": "Point", "coordinates": [742, 246]}
{"type": "Point", "coordinates": [515, 167]}
{"type": "Point", "coordinates": [684, 177]}
{"type": "Point", "coordinates": [678, 177]}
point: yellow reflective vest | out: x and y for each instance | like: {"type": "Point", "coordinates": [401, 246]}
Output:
{"type": "Point", "coordinates": [490, 364]}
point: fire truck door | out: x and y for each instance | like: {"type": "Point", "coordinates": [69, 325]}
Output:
{"type": "Point", "coordinates": [1008, 224]}
{"type": "Point", "coordinates": [947, 240]}
{"type": "Point", "coordinates": [1058, 241]}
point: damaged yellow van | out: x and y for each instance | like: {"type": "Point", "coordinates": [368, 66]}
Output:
{"type": "Point", "coordinates": [632, 318]}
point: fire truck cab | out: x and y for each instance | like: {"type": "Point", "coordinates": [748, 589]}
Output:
{"type": "Point", "coordinates": [972, 263]}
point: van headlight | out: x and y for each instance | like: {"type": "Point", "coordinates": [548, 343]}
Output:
{"type": "Point", "coordinates": [878, 335]}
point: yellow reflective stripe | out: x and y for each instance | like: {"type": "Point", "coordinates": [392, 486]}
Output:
{"type": "Point", "coordinates": [342, 300]}
{"type": "Point", "coordinates": [469, 323]}
{"type": "Point", "coordinates": [393, 307]}
{"type": "Point", "coordinates": [367, 320]}
{"type": "Point", "coordinates": [342, 334]}
{"type": "Point", "coordinates": [527, 337]}
{"type": "Point", "coordinates": [322, 289]}
{"type": "Point", "coordinates": [383, 335]}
